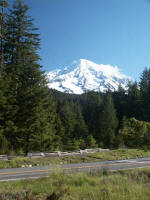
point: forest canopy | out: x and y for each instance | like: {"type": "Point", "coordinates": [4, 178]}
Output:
{"type": "Point", "coordinates": [36, 118]}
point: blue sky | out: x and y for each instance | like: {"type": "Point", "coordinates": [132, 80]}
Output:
{"type": "Point", "coordinates": [115, 32]}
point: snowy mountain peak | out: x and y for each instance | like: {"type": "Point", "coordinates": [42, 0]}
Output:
{"type": "Point", "coordinates": [84, 75]}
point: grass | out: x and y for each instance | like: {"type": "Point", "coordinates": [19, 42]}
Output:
{"type": "Point", "coordinates": [123, 185]}
{"type": "Point", "coordinates": [121, 154]}
{"type": "Point", "coordinates": [101, 156]}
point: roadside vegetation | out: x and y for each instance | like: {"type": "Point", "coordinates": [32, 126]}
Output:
{"type": "Point", "coordinates": [120, 154]}
{"type": "Point", "coordinates": [103, 185]}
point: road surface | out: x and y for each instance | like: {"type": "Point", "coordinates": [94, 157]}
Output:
{"type": "Point", "coordinates": [37, 172]}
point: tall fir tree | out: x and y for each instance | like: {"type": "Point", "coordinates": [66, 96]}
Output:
{"type": "Point", "coordinates": [120, 102]}
{"type": "Point", "coordinates": [133, 107]}
{"type": "Point", "coordinates": [3, 5]}
{"type": "Point", "coordinates": [107, 123]}
{"type": "Point", "coordinates": [27, 80]}
{"type": "Point", "coordinates": [145, 94]}
{"type": "Point", "coordinates": [80, 129]}
{"type": "Point", "coordinates": [5, 108]}
{"type": "Point", "coordinates": [91, 103]}
{"type": "Point", "coordinates": [68, 119]}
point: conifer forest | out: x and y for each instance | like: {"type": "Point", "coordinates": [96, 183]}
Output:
{"type": "Point", "coordinates": [36, 118]}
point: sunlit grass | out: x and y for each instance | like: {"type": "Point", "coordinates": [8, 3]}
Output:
{"type": "Point", "coordinates": [123, 185]}
{"type": "Point", "coordinates": [118, 154]}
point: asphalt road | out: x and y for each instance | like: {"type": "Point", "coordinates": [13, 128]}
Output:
{"type": "Point", "coordinates": [36, 172]}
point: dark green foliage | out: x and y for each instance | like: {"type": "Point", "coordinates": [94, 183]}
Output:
{"type": "Point", "coordinates": [26, 121]}
{"type": "Point", "coordinates": [75, 130]}
{"type": "Point", "coordinates": [99, 114]}
{"type": "Point", "coordinates": [35, 118]}
{"type": "Point", "coordinates": [133, 101]}
{"type": "Point", "coordinates": [135, 133]}
{"type": "Point", "coordinates": [3, 31]}
{"type": "Point", "coordinates": [27, 79]}
{"type": "Point", "coordinates": [3, 145]}
{"type": "Point", "coordinates": [145, 94]}
{"type": "Point", "coordinates": [120, 102]}
{"type": "Point", "coordinates": [107, 122]}
{"type": "Point", "coordinates": [91, 103]}
{"type": "Point", "coordinates": [91, 142]}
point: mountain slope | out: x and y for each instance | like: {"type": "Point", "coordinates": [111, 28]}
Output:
{"type": "Point", "coordinates": [84, 75]}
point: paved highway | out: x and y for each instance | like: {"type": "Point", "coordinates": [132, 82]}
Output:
{"type": "Point", "coordinates": [36, 172]}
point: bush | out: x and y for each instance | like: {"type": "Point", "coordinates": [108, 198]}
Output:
{"type": "Point", "coordinates": [135, 133]}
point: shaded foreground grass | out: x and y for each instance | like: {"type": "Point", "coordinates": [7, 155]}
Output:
{"type": "Point", "coordinates": [123, 185]}
{"type": "Point", "coordinates": [111, 155]}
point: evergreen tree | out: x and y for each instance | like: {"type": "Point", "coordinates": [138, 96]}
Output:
{"type": "Point", "coordinates": [52, 140]}
{"type": "Point", "coordinates": [145, 94]}
{"type": "Point", "coordinates": [28, 82]}
{"type": "Point", "coordinates": [68, 119]}
{"type": "Point", "coordinates": [107, 123]}
{"type": "Point", "coordinates": [91, 103]}
{"type": "Point", "coordinates": [80, 129]}
{"type": "Point", "coordinates": [3, 5]}
{"type": "Point", "coordinates": [6, 118]}
{"type": "Point", "coordinates": [120, 102]}
{"type": "Point", "coordinates": [133, 101]}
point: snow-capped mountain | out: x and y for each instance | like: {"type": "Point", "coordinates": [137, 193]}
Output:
{"type": "Point", "coordinates": [84, 75]}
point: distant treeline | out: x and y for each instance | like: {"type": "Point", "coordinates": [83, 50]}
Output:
{"type": "Point", "coordinates": [36, 118]}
